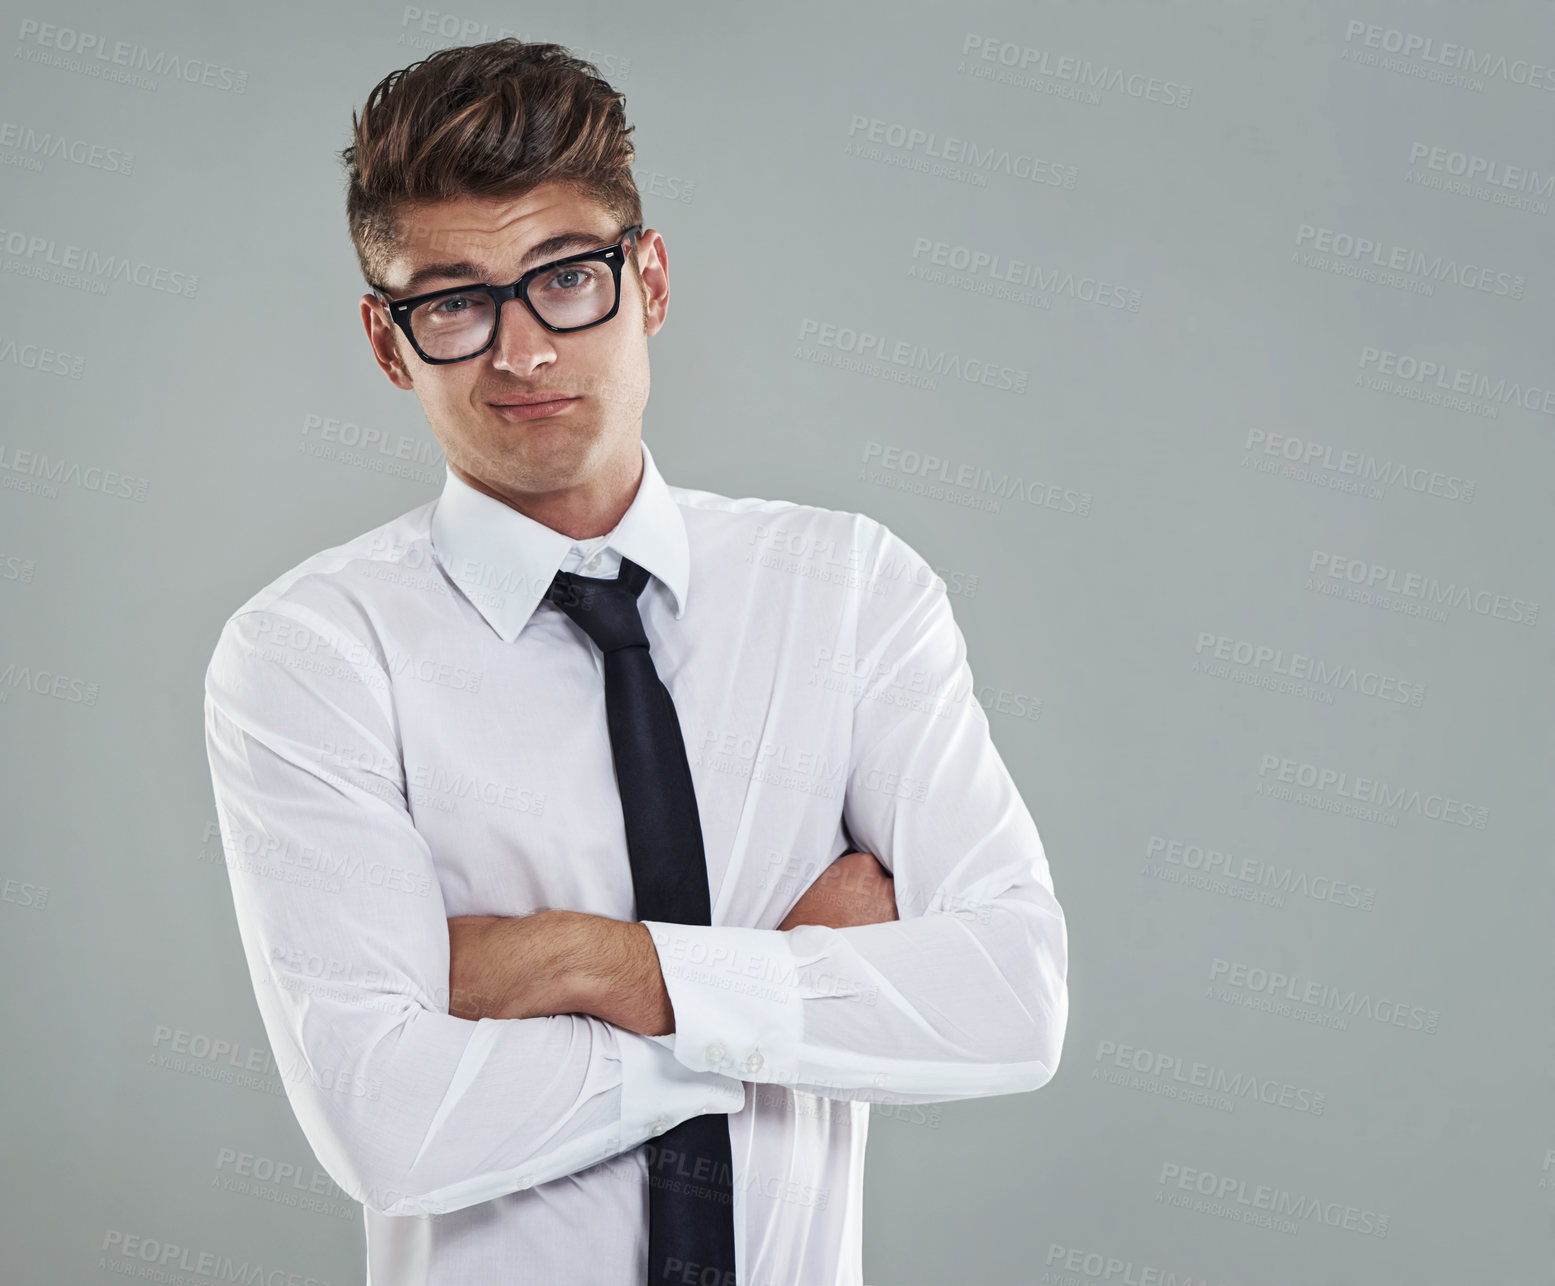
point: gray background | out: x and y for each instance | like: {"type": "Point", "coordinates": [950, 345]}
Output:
{"type": "Point", "coordinates": [1153, 518]}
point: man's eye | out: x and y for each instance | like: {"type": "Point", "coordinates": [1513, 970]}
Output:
{"type": "Point", "coordinates": [570, 280]}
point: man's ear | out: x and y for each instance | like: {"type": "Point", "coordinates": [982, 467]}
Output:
{"type": "Point", "coordinates": [384, 339]}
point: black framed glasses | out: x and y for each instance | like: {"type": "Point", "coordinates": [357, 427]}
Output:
{"type": "Point", "coordinates": [460, 322]}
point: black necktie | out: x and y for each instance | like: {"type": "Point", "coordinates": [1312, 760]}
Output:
{"type": "Point", "coordinates": [691, 1174]}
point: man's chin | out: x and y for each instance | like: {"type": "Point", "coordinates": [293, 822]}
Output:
{"type": "Point", "coordinates": [550, 445]}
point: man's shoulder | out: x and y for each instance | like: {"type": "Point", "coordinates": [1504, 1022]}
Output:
{"type": "Point", "coordinates": [756, 518]}
{"type": "Point", "coordinates": [884, 560]}
{"type": "Point", "coordinates": [334, 584]}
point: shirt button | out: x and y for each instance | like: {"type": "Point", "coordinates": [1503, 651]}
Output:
{"type": "Point", "coordinates": [526, 1181]}
{"type": "Point", "coordinates": [659, 1126]}
{"type": "Point", "coordinates": [753, 1062]}
{"type": "Point", "coordinates": [715, 1053]}
{"type": "Point", "coordinates": [593, 562]}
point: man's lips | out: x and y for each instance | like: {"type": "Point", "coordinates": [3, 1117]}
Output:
{"type": "Point", "coordinates": [535, 399]}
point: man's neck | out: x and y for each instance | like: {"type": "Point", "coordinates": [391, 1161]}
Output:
{"type": "Point", "coordinates": [584, 512]}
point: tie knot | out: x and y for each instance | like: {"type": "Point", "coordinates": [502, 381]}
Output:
{"type": "Point", "coordinates": [605, 610]}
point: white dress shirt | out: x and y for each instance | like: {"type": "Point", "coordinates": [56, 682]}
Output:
{"type": "Point", "coordinates": [400, 730]}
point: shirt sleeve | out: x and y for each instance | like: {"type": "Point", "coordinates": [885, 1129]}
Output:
{"type": "Point", "coordinates": [410, 1110]}
{"type": "Point", "coordinates": [965, 994]}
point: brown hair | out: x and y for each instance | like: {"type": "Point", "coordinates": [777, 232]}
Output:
{"type": "Point", "coordinates": [492, 120]}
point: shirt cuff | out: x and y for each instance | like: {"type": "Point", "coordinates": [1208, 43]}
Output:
{"type": "Point", "coordinates": [737, 998]}
{"type": "Point", "coordinates": [658, 1092]}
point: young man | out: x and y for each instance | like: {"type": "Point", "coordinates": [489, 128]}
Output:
{"type": "Point", "coordinates": [453, 766]}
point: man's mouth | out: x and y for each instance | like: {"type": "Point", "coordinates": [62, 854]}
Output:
{"type": "Point", "coordinates": [533, 399]}
{"type": "Point", "coordinates": [534, 407]}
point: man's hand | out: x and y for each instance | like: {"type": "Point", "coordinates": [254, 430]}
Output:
{"type": "Point", "coordinates": [853, 890]}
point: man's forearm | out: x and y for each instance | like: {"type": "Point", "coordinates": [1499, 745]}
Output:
{"type": "Point", "coordinates": [570, 962]}
{"type": "Point", "coordinates": [558, 962]}
{"type": "Point", "coordinates": [622, 982]}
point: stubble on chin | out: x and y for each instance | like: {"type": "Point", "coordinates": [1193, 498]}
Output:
{"type": "Point", "coordinates": [536, 456]}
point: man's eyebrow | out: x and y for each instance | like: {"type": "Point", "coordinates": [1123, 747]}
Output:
{"type": "Point", "coordinates": [464, 270]}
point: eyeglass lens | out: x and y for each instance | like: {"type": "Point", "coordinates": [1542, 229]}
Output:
{"type": "Point", "coordinates": [575, 294]}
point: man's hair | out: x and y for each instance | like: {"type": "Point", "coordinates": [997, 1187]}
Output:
{"type": "Point", "coordinates": [490, 121]}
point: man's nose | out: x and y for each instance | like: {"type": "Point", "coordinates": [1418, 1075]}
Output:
{"type": "Point", "coordinates": [522, 342]}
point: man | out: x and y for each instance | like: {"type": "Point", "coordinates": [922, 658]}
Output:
{"type": "Point", "coordinates": [446, 791]}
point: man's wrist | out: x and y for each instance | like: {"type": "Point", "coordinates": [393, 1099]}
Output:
{"type": "Point", "coordinates": [618, 978]}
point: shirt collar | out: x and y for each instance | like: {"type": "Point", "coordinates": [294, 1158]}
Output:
{"type": "Point", "coordinates": [504, 561]}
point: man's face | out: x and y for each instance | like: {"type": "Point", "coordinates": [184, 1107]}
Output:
{"type": "Point", "coordinates": [604, 368]}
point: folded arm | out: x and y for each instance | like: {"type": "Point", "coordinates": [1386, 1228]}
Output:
{"type": "Point", "coordinates": [559, 962]}
{"type": "Point", "coordinates": [410, 1108]}
{"type": "Point", "coordinates": [966, 994]}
